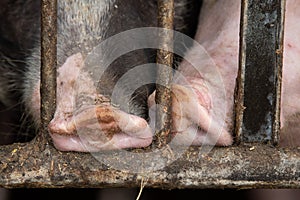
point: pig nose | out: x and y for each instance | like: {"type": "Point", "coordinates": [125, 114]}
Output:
{"type": "Point", "coordinates": [62, 126]}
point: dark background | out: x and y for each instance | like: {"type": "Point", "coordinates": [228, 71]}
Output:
{"type": "Point", "coordinates": [149, 194]}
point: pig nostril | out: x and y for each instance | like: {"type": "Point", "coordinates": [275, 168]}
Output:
{"type": "Point", "coordinates": [68, 115]}
{"type": "Point", "coordinates": [84, 99]}
{"type": "Point", "coordinates": [61, 127]}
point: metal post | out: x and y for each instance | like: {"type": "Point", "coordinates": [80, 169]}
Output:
{"type": "Point", "coordinates": [260, 71]}
{"type": "Point", "coordinates": [164, 76]}
{"type": "Point", "coordinates": [48, 62]}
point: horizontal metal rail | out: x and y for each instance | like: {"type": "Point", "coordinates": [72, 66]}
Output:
{"type": "Point", "coordinates": [244, 166]}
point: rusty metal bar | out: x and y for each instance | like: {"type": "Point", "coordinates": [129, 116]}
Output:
{"type": "Point", "coordinates": [164, 75]}
{"type": "Point", "coordinates": [259, 80]}
{"type": "Point", "coordinates": [243, 166]}
{"type": "Point", "coordinates": [48, 62]}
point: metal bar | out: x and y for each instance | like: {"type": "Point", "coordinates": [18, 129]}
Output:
{"type": "Point", "coordinates": [164, 75]}
{"type": "Point", "coordinates": [259, 80]}
{"type": "Point", "coordinates": [48, 62]}
{"type": "Point", "coordinates": [243, 166]}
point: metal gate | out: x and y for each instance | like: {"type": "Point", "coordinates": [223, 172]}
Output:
{"type": "Point", "coordinates": [253, 162]}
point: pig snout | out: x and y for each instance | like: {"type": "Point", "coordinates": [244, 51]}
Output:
{"type": "Point", "coordinates": [85, 120]}
{"type": "Point", "coordinates": [204, 104]}
{"type": "Point", "coordinates": [96, 128]}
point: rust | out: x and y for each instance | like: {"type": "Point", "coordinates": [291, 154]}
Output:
{"type": "Point", "coordinates": [258, 87]}
{"type": "Point", "coordinates": [48, 66]}
{"type": "Point", "coordinates": [164, 75]}
{"type": "Point", "coordinates": [279, 61]}
{"type": "Point", "coordinates": [243, 166]}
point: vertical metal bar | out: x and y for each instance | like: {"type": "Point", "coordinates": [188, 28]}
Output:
{"type": "Point", "coordinates": [48, 62]}
{"type": "Point", "coordinates": [260, 71]}
{"type": "Point", "coordinates": [164, 75]}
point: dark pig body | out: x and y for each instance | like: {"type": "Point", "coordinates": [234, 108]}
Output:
{"type": "Point", "coordinates": [18, 31]}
